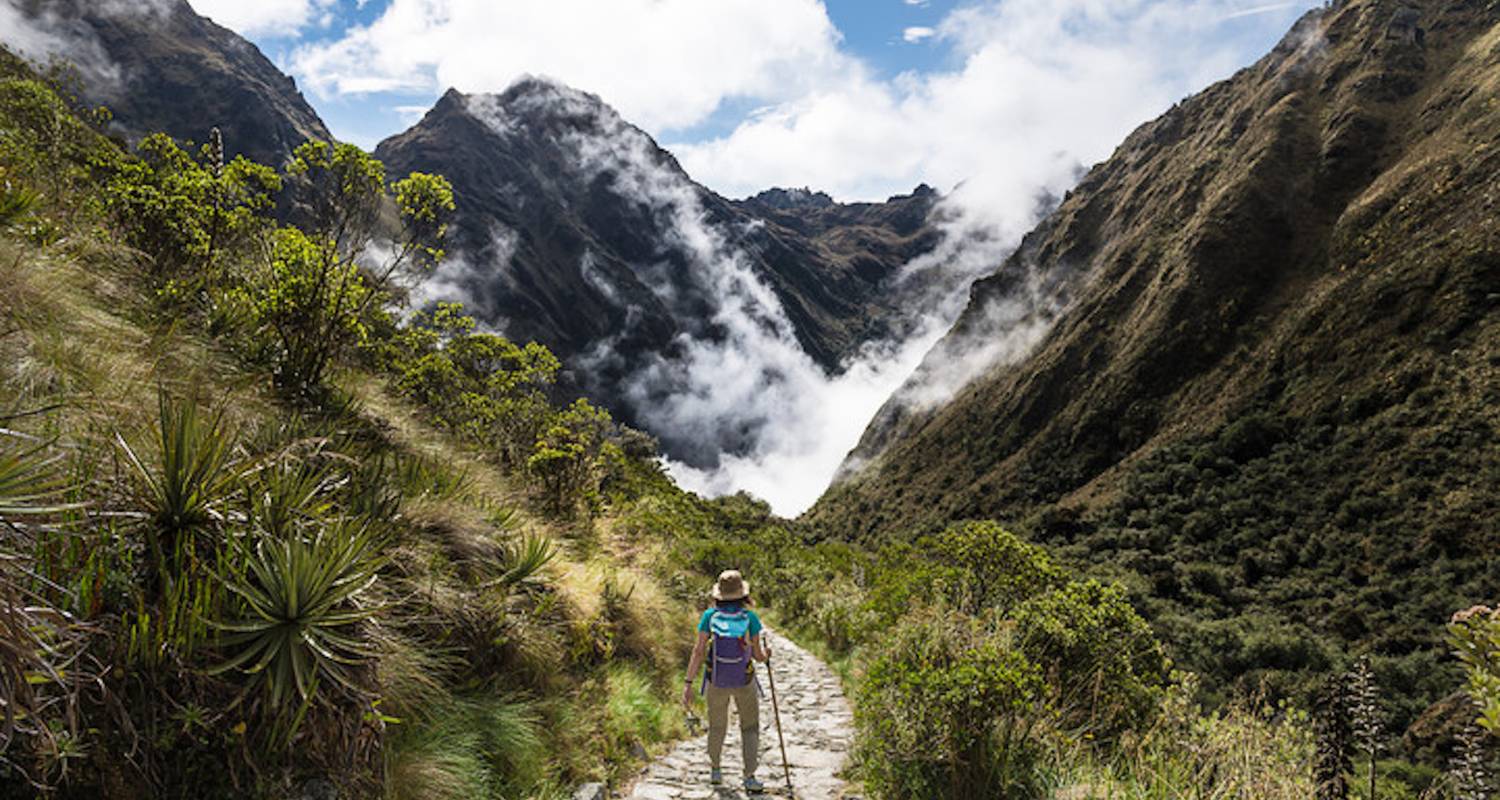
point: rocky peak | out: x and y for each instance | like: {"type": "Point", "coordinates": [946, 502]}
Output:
{"type": "Point", "coordinates": [160, 66]}
{"type": "Point", "coordinates": [792, 199]}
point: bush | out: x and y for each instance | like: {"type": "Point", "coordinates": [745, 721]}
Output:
{"type": "Point", "coordinates": [1475, 636]}
{"type": "Point", "coordinates": [566, 458]}
{"type": "Point", "coordinates": [183, 212]}
{"type": "Point", "coordinates": [1104, 669]}
{"type": "Point", "coordinates": [947, 710]}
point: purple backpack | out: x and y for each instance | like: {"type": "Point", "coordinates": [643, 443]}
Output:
{"type": "Point", "coordinates": [729, 656]}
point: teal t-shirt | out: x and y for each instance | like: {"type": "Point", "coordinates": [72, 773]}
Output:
{"type": "Point", "coordinates": [707, 615]}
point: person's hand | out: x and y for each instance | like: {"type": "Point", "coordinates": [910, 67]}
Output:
{"type": "Point", "coordinates": [766, 648]}
{"type": "Point", "coordinates": [687, 696]}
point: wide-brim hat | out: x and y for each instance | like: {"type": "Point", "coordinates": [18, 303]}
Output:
{"type": "Point", "coordinates": [731, 585]}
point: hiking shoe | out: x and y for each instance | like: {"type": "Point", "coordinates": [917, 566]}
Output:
{"type": "Point", "coordinates": [716, 776]}
{"type": "Point", "coordinates": [754, 786]}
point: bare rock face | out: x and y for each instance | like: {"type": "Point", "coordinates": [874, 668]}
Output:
{"type": "Point", "coordinates": [576, 230]}
{"type": "Point", "coordinates": [159, 66]}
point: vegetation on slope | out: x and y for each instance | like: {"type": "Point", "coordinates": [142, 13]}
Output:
{"type": "Point", "coordinates": [1271, 409]}
{"type": "Point", "coordinates": [234, 562]}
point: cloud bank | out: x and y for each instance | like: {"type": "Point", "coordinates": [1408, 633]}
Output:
{"type": "Point", "coordinates": [663, 63]}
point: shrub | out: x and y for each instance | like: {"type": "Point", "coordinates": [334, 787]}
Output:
{"type": "Point", "coordinates": [1475, 636]}
{"type": "Point", "coordinates": [182, 212]}
{"type": "Point", "coordinates": [1104, 669]}
{"type": "Point", "coordinates": [566, 458]}
{"type": "Point", "coordinates": [482, 385]}
{"type": "Point", "coordinates": [947, 709]}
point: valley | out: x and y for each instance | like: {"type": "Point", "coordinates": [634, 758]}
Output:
{"type": "Point", "coordinates": [342, 472]}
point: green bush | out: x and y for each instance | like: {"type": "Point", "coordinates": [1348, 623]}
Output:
{"type": "Point", "coordinates": [948, 709]}
{"type": "Point", "coordinates": [566, 459]}
{"type": "Point", "coordinates": [183, 211]}
{"type": "Point", "coordinates": [1475, 636]}
{"type": "Point", "coordinates": [1104, 669]}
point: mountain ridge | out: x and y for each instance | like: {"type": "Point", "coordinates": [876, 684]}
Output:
{"type": "Point", "coordinates": [160, 66]}
{"type": "Point", "coordinates": [577, 230]}
{"type": "Point", "coordinates": [1266, 398]}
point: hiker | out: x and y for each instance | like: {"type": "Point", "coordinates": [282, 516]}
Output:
{"type": "Point", "coordinates": [729, 637]}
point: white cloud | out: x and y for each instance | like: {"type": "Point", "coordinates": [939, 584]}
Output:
{"type": "Point", "coordinates": [917, 33]}
{"type": "Point", "coordinates": [265, 17]}
{"type": "Point", "coordinates": [663, 63]}
{"type": "Point", "coordinates": [1043, 86]}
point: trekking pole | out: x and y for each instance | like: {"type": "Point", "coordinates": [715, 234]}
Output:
{"type": "Point", "coordinates": [776, 711]}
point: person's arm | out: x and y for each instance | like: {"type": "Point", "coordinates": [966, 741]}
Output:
{"type": "Point", "coordinates": [760, 649]}
{"type": "Point", "coordinates": [694, 665]}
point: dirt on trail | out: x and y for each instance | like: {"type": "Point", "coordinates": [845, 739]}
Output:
{"type": "Point", "coordinates": [815, 719]}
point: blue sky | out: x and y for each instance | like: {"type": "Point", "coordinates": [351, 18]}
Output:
{"type": "Point", "coordinates": [861, 97]}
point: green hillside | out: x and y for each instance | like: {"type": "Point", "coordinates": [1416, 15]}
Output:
{"type": "Point", "coordinates": [245, 551]}
{"type": "Point", "coordinates": [1270, 407]}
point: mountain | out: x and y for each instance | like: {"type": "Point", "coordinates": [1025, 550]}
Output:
{"type": "Point", "coordinates": [576, 230]}
{"type": "Point", "coordinates": [160, 66]}
{"type": "Point", "coordinates": [1252, 360]}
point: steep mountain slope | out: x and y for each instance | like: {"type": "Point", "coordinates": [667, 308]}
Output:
{"type": "Point", "coordinates": [159, 66]}
{"type": "Point", "coordinates": [1271, 385]}
{"type": "Point", "coordinates": [576, 230]}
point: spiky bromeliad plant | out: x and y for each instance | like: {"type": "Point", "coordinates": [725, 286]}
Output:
{"type": "Point", "coordinates": [182, 493]}
{"type": "Point", "coordinates": [297, 629]}
{"type": "Point", "coordinates": [42, 658]}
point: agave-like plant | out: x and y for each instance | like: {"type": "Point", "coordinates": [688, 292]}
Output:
{"type": "Point", "coordinates": [16, 202]}
{"type": "Point", "coordinates": [287, 493]}
{"type": "Point", "coordinates": [524, 560]}
{"type": "Point", "coordinates": [300, 610]}
{"type": "Point", "coordinates": [183, 492]}
{"type": "Point", "coordinates": [40, 646]}
{"type": "Point", "coordinates": [29, 485]}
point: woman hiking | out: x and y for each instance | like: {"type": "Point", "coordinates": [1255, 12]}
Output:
{"type": "Point", "coordinates": [729, 638]}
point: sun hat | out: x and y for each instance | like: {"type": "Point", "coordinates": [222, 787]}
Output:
{"type": "Point", "coordinates": [731, 586]}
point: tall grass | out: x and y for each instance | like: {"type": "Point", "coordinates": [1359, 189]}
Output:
{"type": "Point", "coordinates": [1246, 750]}
{"type": "Point", "coordinates": [635, 713]}
{"type": "Point", "coordinates": [471, 748]}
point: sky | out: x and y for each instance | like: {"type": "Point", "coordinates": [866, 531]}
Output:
{"type": "Point", "coordinates": [861, 98]}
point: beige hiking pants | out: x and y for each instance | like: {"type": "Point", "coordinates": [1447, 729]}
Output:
{"type": "Point", "coordinates": [747, 704]}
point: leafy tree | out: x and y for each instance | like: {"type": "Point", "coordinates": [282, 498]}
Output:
{"type": "Point", "coordinates": [315, 295]}
{"type": "Point", "coordinates": [566, 457]}
{"type": "Point", "coordinates": [306, 300]}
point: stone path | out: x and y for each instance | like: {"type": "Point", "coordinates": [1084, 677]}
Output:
{"type": "Point", "coordinates": [815, 718]}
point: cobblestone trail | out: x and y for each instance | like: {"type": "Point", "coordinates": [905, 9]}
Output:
{"type": "Point", "coordinates": [815, 718]}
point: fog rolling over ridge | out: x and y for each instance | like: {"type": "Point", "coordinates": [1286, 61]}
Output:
{"type": "Point", "coordinates": [754, 338]}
